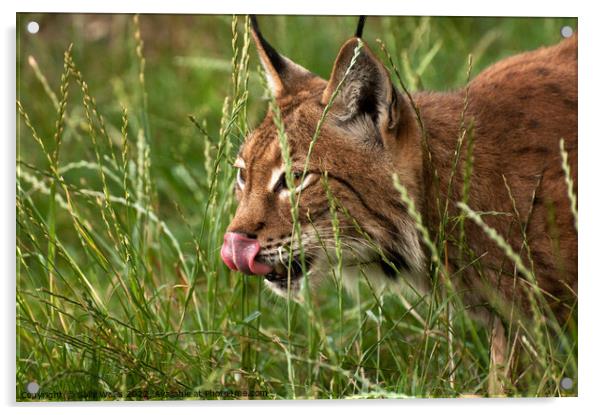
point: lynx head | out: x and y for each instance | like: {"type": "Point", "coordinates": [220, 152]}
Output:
{"type": "Point", "coordinates": [368, 134]}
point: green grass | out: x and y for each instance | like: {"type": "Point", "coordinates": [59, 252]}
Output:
{"type": "Point", "coordinates": [124, 190]}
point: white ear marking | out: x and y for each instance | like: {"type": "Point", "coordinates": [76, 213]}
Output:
{"type": "Point", "coordinates": [276, 81]}
{"type": "Point", "coordinates": [270, 80]}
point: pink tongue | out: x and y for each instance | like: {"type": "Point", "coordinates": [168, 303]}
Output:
{"type": "Point", "coordinates": [239, 252]}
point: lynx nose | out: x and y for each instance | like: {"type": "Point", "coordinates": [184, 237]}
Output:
{"type": "Point", "coordinates": [239, 253]}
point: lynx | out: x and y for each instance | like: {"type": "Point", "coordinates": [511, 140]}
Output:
{"type": "Point", "coordinates": [514, 113]}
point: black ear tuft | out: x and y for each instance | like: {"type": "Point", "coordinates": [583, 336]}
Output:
{"type": "Point", "coordinates": [284, 76]}
{"type": "Point", "coordinates": [360, 27]}
{"type": "Point", "coordinates": [273, 56]}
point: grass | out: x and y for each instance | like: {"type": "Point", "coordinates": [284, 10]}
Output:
{"type": "Point", "coordinates": [127, 129]}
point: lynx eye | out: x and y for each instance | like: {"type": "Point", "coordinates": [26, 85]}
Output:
{"type": "Point", "coordinates": [239, 164]}
{"type": "Point", "coordinates": [240, 178]}
{"type": "Point", "coordinates": [297, 176]}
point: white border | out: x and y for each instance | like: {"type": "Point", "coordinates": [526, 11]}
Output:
{"type": "Point", "coordinates": [590, 151]}
{"type": "Point", "coordinates": [369, 7]}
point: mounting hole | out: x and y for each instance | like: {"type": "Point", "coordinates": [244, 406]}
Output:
{"type": "Point", "coordinates": [566, 384]}
{"type": "Point", "coordinates": [33, 27]}
{"type": "Point", "coordinates": [32, 387]}
{"type": "Point", "coordinates": [566, 32]}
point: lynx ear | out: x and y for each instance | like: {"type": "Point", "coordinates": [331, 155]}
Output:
{"type": "Point", "coordinates": [284, 75]}
{"type": "Point", "coordinates": [367, 91]}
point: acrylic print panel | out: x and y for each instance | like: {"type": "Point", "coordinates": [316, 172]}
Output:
{"type": "Point", "coordinates": [388, 211]}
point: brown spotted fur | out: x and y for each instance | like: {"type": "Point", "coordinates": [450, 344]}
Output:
{"type": "Point", "coordinates": [519, 108]}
